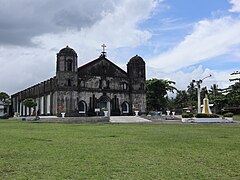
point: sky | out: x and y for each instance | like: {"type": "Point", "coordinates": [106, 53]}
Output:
{"type": "Point", "coordinates": [180, 40]}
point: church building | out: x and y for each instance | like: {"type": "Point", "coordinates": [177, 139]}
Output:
{"type": "Point", "coordinates": [88, 89]}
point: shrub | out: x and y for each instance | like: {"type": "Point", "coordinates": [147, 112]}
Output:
{"type": "Point", "coordinates": [202, 115]}
{"type": "Point", "coordinates": [229, 114]}
{"type": "Point", "coordinates": [187, 115]}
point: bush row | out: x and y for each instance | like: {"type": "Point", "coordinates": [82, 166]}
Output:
{"type": "Point", "coordinates": [229, 114]}
{"type": "Point", "coordinates": [200, 115]}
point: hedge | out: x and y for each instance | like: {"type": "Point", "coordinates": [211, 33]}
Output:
{"type": "Point", "coordinates": [202, 115]}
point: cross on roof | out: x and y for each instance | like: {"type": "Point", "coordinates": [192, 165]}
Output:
{"type": "Point", "coordinates": [103, 46]}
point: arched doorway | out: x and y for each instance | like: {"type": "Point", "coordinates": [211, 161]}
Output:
{"type": "Point", "coordinates": [82, 107]}
{"type": "Point", "coordinates": [104, 103]}
{"type": "Point", "coordinates": [125, 108]}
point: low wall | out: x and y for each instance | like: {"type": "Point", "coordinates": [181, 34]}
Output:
{"type": "Point", "coordinates": [74, 120]}
{"type": "Point", "coordinates": [207, 120]}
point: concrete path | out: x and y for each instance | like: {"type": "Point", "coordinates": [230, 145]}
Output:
{"type": "Point", "coordinates": [128, 119]}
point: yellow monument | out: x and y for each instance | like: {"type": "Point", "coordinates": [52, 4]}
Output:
{"type": "Point", "coordinates": [206, 109]}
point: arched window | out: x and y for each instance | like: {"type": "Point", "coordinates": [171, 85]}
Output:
{"type": "Point", "coordinates": [125, 86]}
{"type": "Point", "coordinates": [82, 106]}
{"type": "Point", "coordinates": [69, 65]}
{"type": "Point", "coordinates": [69, 82]}
{"type": "Point", "coordinates": [142, 86]}
{"type": "Point", "coordinates": [82, 83]}
{"type": "Point", "coordinates": [125, 107]}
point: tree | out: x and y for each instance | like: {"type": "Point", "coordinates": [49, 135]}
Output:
{"type": "Point", "coordinates": [29, 102]}
{"type": "Point", "coordinates": [181, 99]}
{"type": "Point", "coordinates": [192, 92]}
{"type": "Point", "coordinates": [216, 97]}
{"type": "Point", "coordinates": [4, 97]}
{"type": "Point", "coordinates": [233, 91]}
{"type": "Point", "coordinates": [156, 93]}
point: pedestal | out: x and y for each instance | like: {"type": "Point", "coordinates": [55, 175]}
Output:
{"type": "Point", "coordinates": [63, 115]}
{"type": "Point", "coordinates": [105, 113]}
{"type": "Point", "coordinates": [136, 113]}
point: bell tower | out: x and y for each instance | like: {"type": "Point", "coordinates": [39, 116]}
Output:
{"type": "Point", "coordinates": [66, 70]}
{"type": "Point", "coordinates": [137, 76]}
{"type": "Point", "coordinates": [136, 73]}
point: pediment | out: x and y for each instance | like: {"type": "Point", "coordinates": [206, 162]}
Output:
{"type": "Point", "coordinates": [101, 67]}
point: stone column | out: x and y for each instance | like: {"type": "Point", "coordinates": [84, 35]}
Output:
{"type": "Point", "coordinates": [20, 109]}
{"type": "Point", "coordinates": [42, 105]}
{"type": "Point", "coordinates": [48, 104]}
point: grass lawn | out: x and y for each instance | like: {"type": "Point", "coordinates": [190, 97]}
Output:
{"type": "Point", "coordinates": [118, 151]}
{"type": "Point", "coordinates": [236, 117]}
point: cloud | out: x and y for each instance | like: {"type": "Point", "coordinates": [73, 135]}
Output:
{"type": "Point", "coordinates": [30, 39]}
{"type": "Point", "coordinates": [209, 39]}
{"type": "Point", "coordinates": [117, 29]}
{"type": "Point", "coordinates": [23, 67]}
{"type": "Point", "coordinates": [235, 6]}
{"type": "Point", "coordinates": [183, 79]}
{"type": "Point", "coordinates": [21, 20]}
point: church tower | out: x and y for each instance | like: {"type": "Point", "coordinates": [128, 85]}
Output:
{"type": "Point", "coordinates": [66, 72]}
{"type": "Point", "coordinates": [67, 82]}
{"type": "Point", "coordinates": [137, 76]}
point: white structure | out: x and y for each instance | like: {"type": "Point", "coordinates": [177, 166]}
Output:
{"type": "Point", "coordinates": [1, 108]}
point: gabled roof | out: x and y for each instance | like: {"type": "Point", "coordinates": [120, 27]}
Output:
{"type": "Point", "coordinates": [98, 66]}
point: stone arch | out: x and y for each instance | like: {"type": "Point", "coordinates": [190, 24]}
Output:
{"type": "Point", "coordinates": [125, 107]}
{"type": "Point", "coordinates": [82, 107]}
{"type": "Point", "coordinates": [104, 103]}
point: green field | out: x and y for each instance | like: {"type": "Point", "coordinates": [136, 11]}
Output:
{"type": "Point", "coordinates": [118, 151]}
{"type": "Point", "coordinates": [236, 117]}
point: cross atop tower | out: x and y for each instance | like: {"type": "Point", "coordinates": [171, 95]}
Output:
{"type": "Point", "coordinates": [103, 52]}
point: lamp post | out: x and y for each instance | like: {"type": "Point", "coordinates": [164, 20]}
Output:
{"type": "Point", "coordinates": [198, 85]}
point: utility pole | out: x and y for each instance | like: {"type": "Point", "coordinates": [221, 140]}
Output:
{"type": "Point", "coordinates": [198, 85]}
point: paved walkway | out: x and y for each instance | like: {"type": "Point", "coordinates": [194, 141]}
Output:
{"type": "Point", "coordinates": [128, 119]}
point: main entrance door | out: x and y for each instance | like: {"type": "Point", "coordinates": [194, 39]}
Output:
{"type": "Point", "coordinates": [104, 103]}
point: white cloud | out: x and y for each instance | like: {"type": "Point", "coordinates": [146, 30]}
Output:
{"type": "Point", "coordinates": [209, 39]}
{"type": "Point", "coordinates": [183, 79]}
{"type": "Point", "coordinates": [23, 67]}
{"type": "Point", "coordinates": [235, 6]}
{"type": "Point", "coordinates": [117, 26]}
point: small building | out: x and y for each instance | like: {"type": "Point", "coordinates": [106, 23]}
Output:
{"type": "Point", "coordinates": [84, 90]}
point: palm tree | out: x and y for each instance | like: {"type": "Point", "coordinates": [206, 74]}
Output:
{"type": "Point", "coordinates": [192, 92]}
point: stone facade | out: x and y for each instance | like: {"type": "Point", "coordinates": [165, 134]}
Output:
{"type": "Point", "coordinates": [84, 90]}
